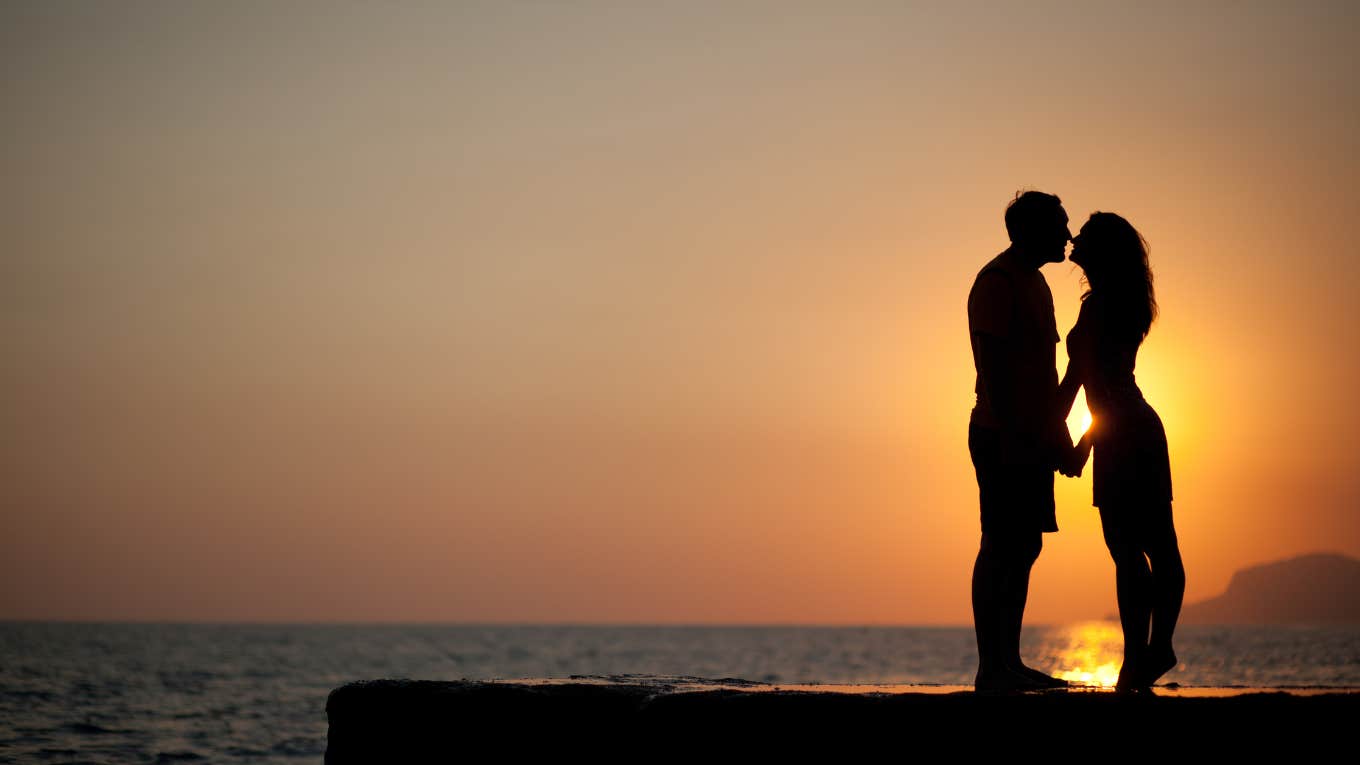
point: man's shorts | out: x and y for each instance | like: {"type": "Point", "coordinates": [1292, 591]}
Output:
{"type": "Point", "coordinates": [1016, 499]}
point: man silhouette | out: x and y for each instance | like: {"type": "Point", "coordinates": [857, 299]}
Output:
{"type": "Point", "coordinates": [1013, 434]}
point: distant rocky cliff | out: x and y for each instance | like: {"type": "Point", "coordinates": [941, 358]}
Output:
{"type": "Point", "coordinates": [1320, 588]}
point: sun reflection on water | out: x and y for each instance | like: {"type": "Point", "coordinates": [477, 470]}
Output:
{"type": "Point", "coordinates": [1086, 654]}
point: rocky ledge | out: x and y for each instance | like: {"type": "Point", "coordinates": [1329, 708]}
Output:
{"type": "Point", "coordinates": [395, 721]}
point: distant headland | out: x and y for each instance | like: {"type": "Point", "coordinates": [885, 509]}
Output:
{"type": "Point", "coordinates": [1318, 588]}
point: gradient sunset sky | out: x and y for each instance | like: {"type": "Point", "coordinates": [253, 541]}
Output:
{"type": "Point", "coordinates": [638, 312]}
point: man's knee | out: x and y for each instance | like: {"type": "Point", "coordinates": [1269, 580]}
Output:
{"type": "Point", "coordinates": [1015, 548]}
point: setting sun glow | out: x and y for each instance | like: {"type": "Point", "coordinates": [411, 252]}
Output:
{"type": "Point", "coordinates": [1079, 419]}
{"type": "Point", "coordinates": [1090, 654]}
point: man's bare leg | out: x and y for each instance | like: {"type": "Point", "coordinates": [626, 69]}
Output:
{"type": "Point", "coordinates": [989, 597]}
{"type": "Point", "coordinates": [1020, 562]}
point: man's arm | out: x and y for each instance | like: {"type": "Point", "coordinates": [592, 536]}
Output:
{"type": "Point", "coordinates": [991, 311]}
{"type": "Point", "coordinates": [996, 373]}
{"type": "Point", "coordinates": [994, 368]}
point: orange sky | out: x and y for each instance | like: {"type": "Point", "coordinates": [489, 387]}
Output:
{"type": "Point", "coordinates": [597, 313]}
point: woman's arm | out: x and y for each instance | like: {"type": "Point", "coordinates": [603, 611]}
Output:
{"type": "Point", "coordinates": [1061, 439]}
{"type": "Point", "coordinates": [1078, 456]}
{"type": "Point", "coordinates": [1065, 397]}
{"type": "Point", "coordinates": [1067, 392]}
{"type": "Point", "coordinates": [1078, 357]}
{"type": "Point", "coordinates": [1086, 358]}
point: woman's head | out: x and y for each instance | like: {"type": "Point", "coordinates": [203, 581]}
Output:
{"type": "Point", "coordinates": [1114, 258]}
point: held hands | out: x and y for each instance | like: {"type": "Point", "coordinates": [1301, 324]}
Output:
{"type": "Point", "coordinates": [1021, 450]}
{"type": "Point", "coordinates": [1074, 461]}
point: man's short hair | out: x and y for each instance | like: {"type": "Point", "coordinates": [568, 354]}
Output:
{"type": "Point", "coordinates": [1030, 213]}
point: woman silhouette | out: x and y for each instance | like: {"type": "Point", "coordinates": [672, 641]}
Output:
{"type": "Point", "coordinates": [1131, 472]}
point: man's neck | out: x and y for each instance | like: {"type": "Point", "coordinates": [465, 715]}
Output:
{"type": "Point", "coordinates": [1023, 257]}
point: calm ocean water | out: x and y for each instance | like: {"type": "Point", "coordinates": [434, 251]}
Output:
{"type": "Point", "coordinates": [134, 693]}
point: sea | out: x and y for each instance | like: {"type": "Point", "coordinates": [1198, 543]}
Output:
{"type": "Point", "coordinates": [224, 693]}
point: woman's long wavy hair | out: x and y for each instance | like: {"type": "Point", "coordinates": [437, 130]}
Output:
{"type": "Point", "coordinates": [1117, 270]}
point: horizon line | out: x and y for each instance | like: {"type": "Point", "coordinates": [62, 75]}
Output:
{"type": "Point", "coordinates": [457, 623]}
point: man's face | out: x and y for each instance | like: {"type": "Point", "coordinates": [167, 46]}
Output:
{"type": "Point", "coordinates": [1053, 244]}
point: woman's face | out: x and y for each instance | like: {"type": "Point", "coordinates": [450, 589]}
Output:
{"type": "Point", "coordinates": [1080, 249]}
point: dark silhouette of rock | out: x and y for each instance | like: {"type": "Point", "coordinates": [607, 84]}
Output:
{"type": "Point", "coordinates": [1320, 588]}
{"type": "Point", "coordinates": [408, 721]}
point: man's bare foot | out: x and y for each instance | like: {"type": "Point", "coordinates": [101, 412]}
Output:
{"type": "Point", "coordinates": [1044, 680]}
{"type": "Point", "coordinates": [1159, 662]}
{"type": "Point", "coordinates": [1004, 680]}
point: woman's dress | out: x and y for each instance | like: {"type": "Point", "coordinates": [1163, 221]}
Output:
{"type": "Point", "coordinates": [1131, 464]}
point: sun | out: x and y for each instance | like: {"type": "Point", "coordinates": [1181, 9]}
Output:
{"type": "Point", "coordinates": [1079, 420]}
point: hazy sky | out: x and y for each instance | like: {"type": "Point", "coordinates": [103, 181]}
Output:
{"type": "Point", "coordinates": [637, 312]}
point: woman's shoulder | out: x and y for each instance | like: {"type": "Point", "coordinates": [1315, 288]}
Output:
{"type": "Point", "coordinates": [1110, 319]}
{"type": "Point", "coordinates": [1097, 309]}
{"type": "Point", "coordinates": [1096, 320]}
{"type": "Point", "coordinates": [1084, 328]}
{"type": "Point", "coordinates": [1091, 312]}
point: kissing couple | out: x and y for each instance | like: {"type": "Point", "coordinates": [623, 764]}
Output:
{"type": "Point", "coordinates": [1018, 438]}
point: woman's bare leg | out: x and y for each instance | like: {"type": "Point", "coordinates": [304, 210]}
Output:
{"type": "Point", "coordinates": [1133, 588]}
{"type": "Point", "coordinates": [1168, 591]}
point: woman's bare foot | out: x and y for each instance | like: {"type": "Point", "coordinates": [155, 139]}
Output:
{"type": "Point", "coordinates": [1160, 660]}
{"type": "Point", "coordinates": [1131, 679]}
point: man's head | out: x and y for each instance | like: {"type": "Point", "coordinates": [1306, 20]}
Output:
{"type": "Point", "coordinates": [1037, 224]}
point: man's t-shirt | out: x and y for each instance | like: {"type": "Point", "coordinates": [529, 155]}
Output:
{"type": "Point", "coordinates": [1012, 302]}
